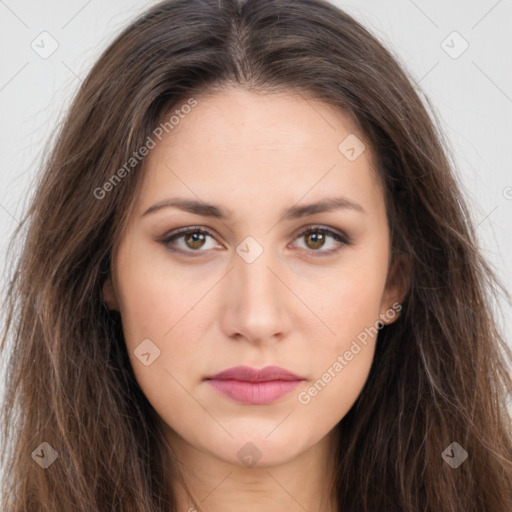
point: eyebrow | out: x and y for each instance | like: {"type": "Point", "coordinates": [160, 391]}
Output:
{"type": "Point", "coordinates": [218, 212]}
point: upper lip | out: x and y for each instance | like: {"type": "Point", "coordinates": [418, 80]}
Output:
{"type": "Point", "coordinates": [249, 374]}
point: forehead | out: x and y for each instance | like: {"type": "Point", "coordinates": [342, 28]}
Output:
{"type": "Point", "coordinates": [242, 145]}
{"type": "Point", "coordinates": [236, 120]}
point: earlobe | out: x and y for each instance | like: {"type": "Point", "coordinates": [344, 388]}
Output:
{"type": "Point", "coordinates": [109, 295]}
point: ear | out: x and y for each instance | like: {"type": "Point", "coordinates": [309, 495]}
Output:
{"type": "Point", "coordinates": [109, 295]}
{"type": "Point", "coordinates": [397, 287]}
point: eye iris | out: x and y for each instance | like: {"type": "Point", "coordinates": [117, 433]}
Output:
{"type": "Point", "coordinates": [195, 237]}
{"type": "Point", "coordinates": [317, 238]}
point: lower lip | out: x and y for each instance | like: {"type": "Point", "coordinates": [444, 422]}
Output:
{"type": "Point", "coordinates": [254, 393]}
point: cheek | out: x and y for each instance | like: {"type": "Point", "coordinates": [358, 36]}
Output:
{"type": "Point", "coordinates": [157, 310]}
{"type": "Point", "coordinates": [160, 317]}
{"type": "Point", "coordinates": [350, 307]}
{"type": "Point", "coordinates": [156, 298]}
{"type": "Point", "coordinates": [355, 309]}
{"type": "Point", "coordinates": [350, 301]}
{"type": "Point", "coordinates": [341, 362]}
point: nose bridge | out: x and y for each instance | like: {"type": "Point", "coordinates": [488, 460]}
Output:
{"type": "Point", "coordinates": [256, 297]}
{"type": "Point", "coordinates": [256, 281]}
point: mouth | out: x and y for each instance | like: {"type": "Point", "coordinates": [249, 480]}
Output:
{"type": "Point", "coordinates": [252, 386]}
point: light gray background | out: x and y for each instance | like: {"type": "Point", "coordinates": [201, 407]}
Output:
{"type": "Point", "coordinates": [472, 93]}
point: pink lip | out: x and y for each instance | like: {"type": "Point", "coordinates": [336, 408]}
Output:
{"type": "Point", "coordinates": [255, 386]}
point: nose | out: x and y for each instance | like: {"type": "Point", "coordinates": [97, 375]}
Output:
{"type": "Point", "coordinates": [257, 301]}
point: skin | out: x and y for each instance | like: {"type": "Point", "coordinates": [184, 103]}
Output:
{"type": "Point", "coordinates": [256, 155]}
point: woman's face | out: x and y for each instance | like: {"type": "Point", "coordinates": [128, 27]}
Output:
{"type": "Point", "coordinates": [253, 288]}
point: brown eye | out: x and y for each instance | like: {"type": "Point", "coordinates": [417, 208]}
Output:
{"type": "Point", "coordinates": [195, 239]}
{"type": "Point", "coordinates": [189, 240]}
{"type": "Point", "coordinates": [317, 240]}
{"type": "Point", "coordinates": [192, 241]}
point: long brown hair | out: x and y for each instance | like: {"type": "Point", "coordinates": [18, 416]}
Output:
{"type": "Point", "coordinates": [440, 372]}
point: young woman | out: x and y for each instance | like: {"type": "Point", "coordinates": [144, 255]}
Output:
{"type": "Point", "coordinates": [249, 281]}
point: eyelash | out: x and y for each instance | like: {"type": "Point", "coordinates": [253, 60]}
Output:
{"type": "Point", "coordinates": [167, 240]}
